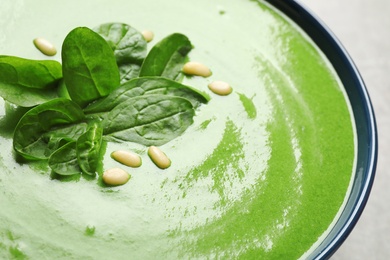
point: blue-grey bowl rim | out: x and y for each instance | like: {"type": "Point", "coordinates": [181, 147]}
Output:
{"type": "Point", "coordinates": [364, 117]}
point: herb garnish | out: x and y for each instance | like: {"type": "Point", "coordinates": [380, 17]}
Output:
{"type": "Point", "coordinates": [107, 89]}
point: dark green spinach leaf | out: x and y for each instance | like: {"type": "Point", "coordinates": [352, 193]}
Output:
{"type": "Point", "coordinates": [89, 66]}
{"type": "Point", "coordinates": [62, 91]}
{"type": "Point", "coordinates": [148, 120]}
{"type": "Point", "coordinates": [62, 135]}
{"type": "Point", "coordinates": [146, 86]}
{"type": "Point", "coordinates": [88, 148]}
{"type": "Point", "coordinates": [129, 47]}
{"type": "Point", "coordinates": [64, 160]}
{"type": "Point", "coordinates": [30, 139]}
{"type": "Point", "coordinates": [167, 57]}
{"type": "Point", "coordinates": [27, 82]}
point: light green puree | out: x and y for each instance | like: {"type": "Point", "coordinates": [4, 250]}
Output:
{"type": "Point", "coordinates": [261, 174]}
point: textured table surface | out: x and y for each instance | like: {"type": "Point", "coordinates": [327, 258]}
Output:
{"type": "Point", "coordinates": [363, 27]}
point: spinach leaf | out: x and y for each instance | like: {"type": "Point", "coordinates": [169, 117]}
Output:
{"type": "Point", "coordinates": [81, 156]}
{"type": "Point", "coordinates": [60, 136]}
{"type": "Point", "coordinates": [27, 82]}
{"type": "Point", "coordinates": [146, 86]}
{"type": "Point", "coordinates": [129, 47]}
{"type": "Point", "coordinates": [128, 71]}
{"type": "Point", "coordinates": [167, 57]}
{"type": "Point", "coordinates": [89, 66]}
{"type": "Point", "coordinates": [88, 148]}
{"type": "Point", "coordinates": [148, 120]}
{"type": "Point", "coordinates": [62, 91]}
{"type": "Point", "coordinates": [30, 139]}
{"type": "Point", "coordinates": [64, 160]}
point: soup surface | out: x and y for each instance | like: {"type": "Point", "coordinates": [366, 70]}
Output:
{"type": "Point", "coordinates": [262, 173]}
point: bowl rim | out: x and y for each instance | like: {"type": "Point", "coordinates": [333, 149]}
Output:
{"type": "Point", "coordinates": [366, 128]}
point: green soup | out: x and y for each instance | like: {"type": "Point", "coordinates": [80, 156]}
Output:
{"type": "Point", "coordinates": [261, 174]}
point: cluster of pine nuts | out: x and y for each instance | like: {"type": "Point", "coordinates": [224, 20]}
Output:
{"type": "Point", "coordinates": [218, 87]}
{"type": "Point", "coordinates": [117, 176]}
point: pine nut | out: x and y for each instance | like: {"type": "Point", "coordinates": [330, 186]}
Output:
{"type": "Point", "coordinates": [127, 158]}
{"type": "Point", "coordinates": [45, 46]}
{"type": "Point", "coordinates": [148, 35]}
{"type": "Point", "coordinates": [115, 177]}
{"type": "Point", "coordinates": [220, 88]}
{"type": "Point", "coordinates": [159, 158]}
{"type": "Point", "coordinates": [196, 69]}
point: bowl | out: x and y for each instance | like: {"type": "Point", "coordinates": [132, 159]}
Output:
{"type": "Point", "coordinates": [364, 116]}
{"type": "Point", "coordinates": [219, 196]}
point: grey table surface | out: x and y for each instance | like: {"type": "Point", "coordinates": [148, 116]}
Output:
{"type": "Point", "coordinates": [363, 27]}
